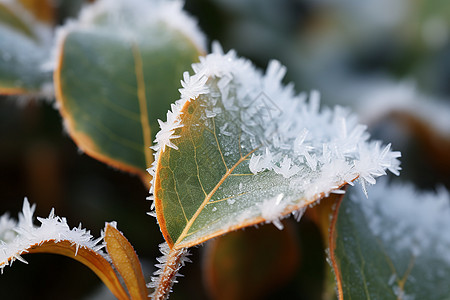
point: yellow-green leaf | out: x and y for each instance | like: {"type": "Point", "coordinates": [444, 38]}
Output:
{"type": "Point", "coordinates": [126, 262]}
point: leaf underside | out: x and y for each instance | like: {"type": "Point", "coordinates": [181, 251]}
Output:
{"type": "Point", "coordinates": [112, 90]}
{"type": "Point", "coordinates": [94, 261]}
{"type": "Point", "coordinates": [205, 187]}
{"type": "Point", "coordinates": [369, 267]}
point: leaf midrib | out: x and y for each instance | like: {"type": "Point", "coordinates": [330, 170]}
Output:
{"type": "Point", "coordinates": [141, 94]}
{"type": "Point", "coordinates": [208, 197]}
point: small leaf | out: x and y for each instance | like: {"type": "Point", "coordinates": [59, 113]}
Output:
{"type": "Point", "coordinates": [54, 236]}
{"type": "Point", "coordinates": [240, 148]}
{"type": "Point", "coordinates": [393, 245]}
{"type": "Point", "coordinates": [243, 264]}
{"type": "Point", "coordinates": [117, 73]}
{"type": "Point", "coordinates": [126, 262]}
{"type": "Point", "coordinates": [23, 49]}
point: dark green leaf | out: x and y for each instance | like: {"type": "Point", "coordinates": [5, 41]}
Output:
{"type": "Point", "coordinates": [393, 245]}
{"type": "Point", "coordinates": [113, 81]}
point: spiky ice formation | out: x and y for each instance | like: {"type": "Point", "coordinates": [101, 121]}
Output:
{"type": "Point", "coordinates": [315, 150]}
{"type": "Point", "coordinates": [17, 237]}
{"type": "Point", "coordinates": [168, 267]}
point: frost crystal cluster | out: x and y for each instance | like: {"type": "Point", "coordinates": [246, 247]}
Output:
{"type": "Point", "coordinates": [309, 151]}
{"type": "Point", "coordinates": [16, 237]}
{"type": "Point", "coordinates": [409, 220]}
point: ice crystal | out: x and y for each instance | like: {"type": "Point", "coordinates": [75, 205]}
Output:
{"type": "Point", "coordinates": [16, 237]}
{"type": "Point", "coordinates": [272, 209]}
{"type": "Point", "coordinates": [315, 151]}
{"type": "Point", "coordinates": [408, 219]}
{"type": "Point", "coordinates": [173, 260]}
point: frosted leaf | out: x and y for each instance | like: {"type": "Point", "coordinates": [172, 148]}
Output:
{"type": "Point", "coordinates": [397, 240]}
{"type": "Point", "coordinates": [24, 46]}
{"type": "Point", "coordinates": [130, 19]}
{"type": "Point", "coordinates": [382, 99]}
{"type": "Point", "coordinates": [277, 143]}
{"type": "Point", "coordinates": [17, 237]}
{"type": "Point", "coordinates": [416, 220]}
{"type": "Point", "coordinates": [173, 261]}
{"type": "Point", "coordinates": [272, 210]}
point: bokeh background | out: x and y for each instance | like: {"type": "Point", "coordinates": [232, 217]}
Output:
{"type": "Point", "coordinates": [352, 51]}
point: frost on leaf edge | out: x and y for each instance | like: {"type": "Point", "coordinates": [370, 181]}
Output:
{"type": "Point", "coordinates": [145, 14]}
{"type": "Point", "coordinates": [17, 237]}
{"type": "Point", "coordinates": [218, 64]}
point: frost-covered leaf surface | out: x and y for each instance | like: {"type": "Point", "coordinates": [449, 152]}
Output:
{"type": "Point", "coordinates": [393, 245]}
{"type": "Point", "coordinates": [242, 264]}
{"type": "Point", "coordinates": [240, 148]}
{"type": "Point", "coordinates": [24, 47]}
{"type": "Point", "coordinates": [118, 69]}
{"type": "Point", "coordinates": [54, 236]}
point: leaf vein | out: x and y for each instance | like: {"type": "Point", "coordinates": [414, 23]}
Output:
{"type": "Point", "coordinates": [142, 98]}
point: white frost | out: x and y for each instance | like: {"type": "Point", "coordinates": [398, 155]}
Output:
{"type": "Point", "coordinates": [130, 19]}
{"type": "Point", "coordinates": [16, 237]}
{"type": "Point", "coordinates": [314, 150]}
{"type": "Point", "coordinates": [409, 220]}
{"type": "Point", "coordinates": [272, 209]}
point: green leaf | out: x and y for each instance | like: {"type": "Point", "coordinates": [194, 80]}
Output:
{"type": "Point", "coordinates": [240, 148]}
{"type": "Point", "coordinates": [393, 245]}
{"type": "Point", "coordinates": [115, 78]}
{"type": "Point", "coordinates": [23, 50]}
{"type": "Point", "coordinates": [242, 264]}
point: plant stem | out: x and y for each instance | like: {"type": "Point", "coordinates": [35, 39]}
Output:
{"type": "Point", "coordinates": [175, 259]}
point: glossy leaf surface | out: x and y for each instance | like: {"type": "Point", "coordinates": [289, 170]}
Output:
{"type": "Point", "coordinates": [113, 82]}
